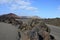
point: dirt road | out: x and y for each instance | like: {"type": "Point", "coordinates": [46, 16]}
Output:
{"type": "Point", "coordinates": [55, 31]}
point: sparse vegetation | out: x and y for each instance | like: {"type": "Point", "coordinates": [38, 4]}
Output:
{"type": "Point", "coordinates": [53, 21]}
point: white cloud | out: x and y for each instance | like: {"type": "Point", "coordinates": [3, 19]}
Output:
{"type": "Point", "coordinates": [19, 4]}
{"type": "Point", "coordinates": [31, 8]}
{"type": "Point", "coordinates": [22, 7]}
{"type": "Point", "coordinates": [24, 3]}
{"type": "Point", "coordinates": [5, 1]}
{"type": "Point", "coordinates": [13, 7]}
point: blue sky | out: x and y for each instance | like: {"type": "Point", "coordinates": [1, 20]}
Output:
{"type": "Point", "coordinates": [41, 8]}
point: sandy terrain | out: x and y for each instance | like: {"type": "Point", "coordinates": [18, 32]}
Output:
{"type": "Point", "coordinates": [8, 32]}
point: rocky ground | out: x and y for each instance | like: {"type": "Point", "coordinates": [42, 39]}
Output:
{"type": "Point", "coordinates": [7, 32]}
{"type": "Point", "coordinates": [23, 28]}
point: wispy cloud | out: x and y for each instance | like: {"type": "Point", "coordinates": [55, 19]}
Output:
{"type": "Point", "coordinates": [22, 2]}
{"type": "Point", "coordinates": [19, 4]}
{"type": "Point", "coordinates": [58, 8]}
{"type": "Point", "coordinates": [5, 1]}
{"type": "Point", "coordinates": [14, 7]}
{"type": "Point", "coordinates": [31, 8]}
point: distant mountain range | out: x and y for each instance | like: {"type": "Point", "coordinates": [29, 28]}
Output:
{"type": "Point", "coordinates": [52, 21]}
{"type": "Point", "coordinates": [16, 16]}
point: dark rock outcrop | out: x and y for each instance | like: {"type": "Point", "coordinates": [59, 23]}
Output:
{"type": "Point", "coordinates": [9, 18]}
{"type": "Point", "coordinates": [36, 31]}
